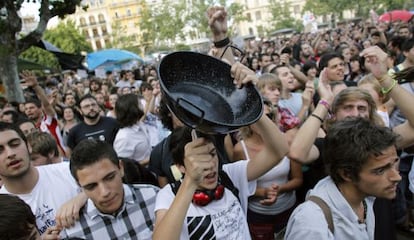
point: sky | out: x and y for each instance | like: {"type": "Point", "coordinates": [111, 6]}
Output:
{"type": "Point", "coordinates": [32, 9]}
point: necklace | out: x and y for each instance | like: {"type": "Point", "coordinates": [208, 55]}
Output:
{"type": "Point", "coordinates": [364, 204]}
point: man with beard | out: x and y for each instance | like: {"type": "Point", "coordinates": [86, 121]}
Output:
{"type": "Point", "coordinates": [306, 53]}
{"type": "Point", "coordinates": [94, 126]}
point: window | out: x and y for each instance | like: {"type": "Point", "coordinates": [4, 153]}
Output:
{"type": "Point", "coordinates": [116, 15]}
{"type": "Point", "coordinates": [95, 32]}
{"type": "Point", "coordinates": [249, 17]}
{"type": "Point", "coordinates": [82, 22]}
{"type": "Point", "coordinates": [92, 20]}
{"type": "Point", "coordinates": [86, 33]}
{"type": "Point", "coordinates": [107, 42]}
{"type": "Point", "coordinates": [101, 18]}
{"type": "Point", "coordinates": [251, 31]}
{"type": "Point", "coordinates": [98, 45]}
{"type": "Point", "coordinates": [296, 9]}
{"type": "Point", "coordinates": [128, 12]}
{"type": "Point", "coordinates": [258, 15]}
{"type": "Point", "coordinates": [104, 31]}
{"type": "Point", "coordinates": [260, 31]}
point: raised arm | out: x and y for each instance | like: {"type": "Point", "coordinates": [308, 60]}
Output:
{"type": "Point", "coordinates": [31, 81]}
{"type": "Point", "coordinates": [376, 59]}
{"type": "Point", "coordinates": [197, 158]}
{"type": "Point", "coordinates": [302, 148]}
{"type": "Point", "coordinates": [217, 21]}
{"type": "Point", "coordinates": [276, 146]}
{"type": "Point", "coordinates": [307, 96]}
{"type": "Point", "coordinates": [284, 59]}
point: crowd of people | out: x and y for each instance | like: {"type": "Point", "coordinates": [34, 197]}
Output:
{"type": "Point", "coordinates": [330, 158]}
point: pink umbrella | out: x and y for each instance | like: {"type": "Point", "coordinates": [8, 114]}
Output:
{"type": "Point", "coordinates": [396, 15]}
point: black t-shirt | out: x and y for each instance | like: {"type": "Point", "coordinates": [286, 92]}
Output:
{"type": "Point", "coordinates": [161, 160]}
{"type": "Point", "coordinates": [105, 130]}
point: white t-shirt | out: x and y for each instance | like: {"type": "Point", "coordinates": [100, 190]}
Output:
{"type": "Point", "coordinates": [55, 187]}
{"type": "Point", "coordinates": [221, 219]}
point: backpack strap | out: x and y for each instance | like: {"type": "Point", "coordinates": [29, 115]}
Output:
{"type": "Point", "coordinates": [175, 186]}
{"type": "Point", "coordinates": [325, 209]}
{"type": "Point", "coordinates": [227, 183]}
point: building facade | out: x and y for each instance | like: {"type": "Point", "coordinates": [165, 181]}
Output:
{"type": "Point", "coordinates": [258, 14]}
{"type": "Point", "coordinates": [105, 20]}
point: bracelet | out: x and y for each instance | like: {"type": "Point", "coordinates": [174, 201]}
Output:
{"type": "Point", "coordinates": [222, 43]}
{"type": "Point", "coordinates": [382, 79]}
{"type": "Point", "coordinates": [325, 104]}
{"type": "Point", "coordinates": [385, 91]}
{"type": "Point", "coordinates": [317, 117]}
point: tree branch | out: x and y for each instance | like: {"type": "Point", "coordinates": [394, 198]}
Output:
{"type": "Point", "coordinates": [14, 22]}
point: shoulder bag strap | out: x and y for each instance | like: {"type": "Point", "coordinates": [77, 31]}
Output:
{"type": "Point", "coordinates": [325, 209]}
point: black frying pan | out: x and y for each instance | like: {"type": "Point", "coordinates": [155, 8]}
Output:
{"type": "Point", "coordinates": [200, 91]}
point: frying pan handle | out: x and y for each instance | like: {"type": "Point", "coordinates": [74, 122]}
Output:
{"type": "Point", "coordinates": [190, 107]}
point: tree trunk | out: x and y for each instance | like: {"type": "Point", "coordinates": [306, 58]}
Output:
{"type": "Point", "coordinates": [10, 78]}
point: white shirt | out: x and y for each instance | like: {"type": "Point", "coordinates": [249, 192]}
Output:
{"type": "Point", "coordinates": [55, 187]}
{"type": "Point", "coordinates": [133, 142]}
{"type": "Point", "coordinates": [221, 219]}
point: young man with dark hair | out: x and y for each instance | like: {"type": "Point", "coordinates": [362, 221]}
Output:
{"type": "Point", "coordinates": [264, 60]}
{"type": "Point", "coordinates": [16, 219]}
{"type": "Point", "coordinates": [26, 126]}
{"type": "Point", "coordinates": [307, 148]}
{"type": "Point", "coordinates": [206, 205]}
{"type": "Point", "coordinates": [334, 66]}
{"type": "Point", "coordinates": [203, 205]}
{"type": "Point", "coordinates": [45, 188]}
{"type": "Point", "coordinates": [114, 210]}
{"type": "Point", "coordinates": [362, 162]}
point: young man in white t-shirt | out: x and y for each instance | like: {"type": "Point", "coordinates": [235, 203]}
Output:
{"type": "Point", "coordinates": [45, 189]}
{"type": "Point", "coordinates": [188, 214]}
